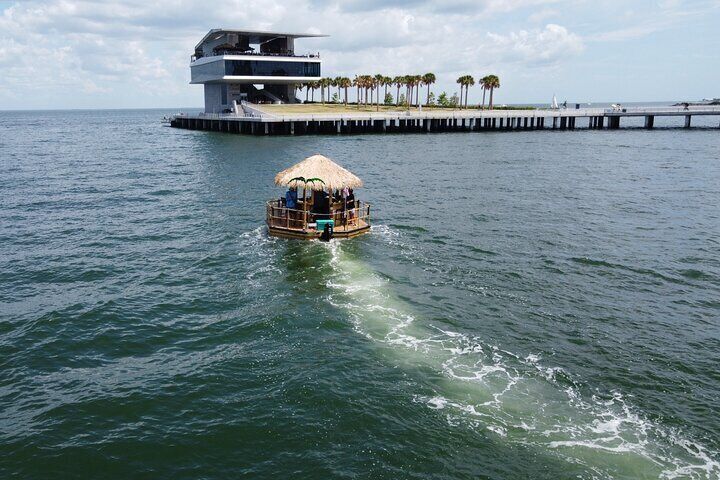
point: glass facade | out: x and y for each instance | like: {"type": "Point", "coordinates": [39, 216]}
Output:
{"type": "Point", "coordinates": [207, 72]}
{"type": "Point", "coordinates": [256, 68]}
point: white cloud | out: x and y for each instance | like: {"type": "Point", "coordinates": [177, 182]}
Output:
{"type": "Point", "coordinates": [550, 45]}
{"type": "Point", "coordinates": [74, 49]}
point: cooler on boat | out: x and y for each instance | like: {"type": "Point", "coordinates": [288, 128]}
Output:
{"type": "Point", "coordinates": [321, 224]}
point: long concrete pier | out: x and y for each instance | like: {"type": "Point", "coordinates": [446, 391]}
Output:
{"type": "Point", "coordinates": [257, 122]}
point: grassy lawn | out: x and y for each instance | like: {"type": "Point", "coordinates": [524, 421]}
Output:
{"type": "Point", "coordinates": [310, 108]}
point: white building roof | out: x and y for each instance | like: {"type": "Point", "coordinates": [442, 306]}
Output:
{"type": "Point", "coordinates": [256, 36]}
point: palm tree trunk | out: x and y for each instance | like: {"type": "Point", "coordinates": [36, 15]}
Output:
{"type": "Point", "coordinates": [491, 95]}
{"type": "Point", "coordinates": [428, 95]}
{"type": "Point", "coordinates": [397, 97]}
{"type": "Point", "coordinates": [483, 104]}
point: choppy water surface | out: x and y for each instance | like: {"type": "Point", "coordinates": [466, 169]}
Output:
{"type": "Point", "coordinates": [528, 305]}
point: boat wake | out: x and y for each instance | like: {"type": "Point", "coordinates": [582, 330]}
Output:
{"type": "Point", "coordinates": [484, 387]}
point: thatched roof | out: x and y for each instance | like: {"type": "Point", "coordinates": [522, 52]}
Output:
{"type": "Point", "coordinates": [333, 176]}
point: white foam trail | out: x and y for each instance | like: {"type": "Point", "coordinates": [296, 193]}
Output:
{"type": "Point", "coordinates": [517, 399]}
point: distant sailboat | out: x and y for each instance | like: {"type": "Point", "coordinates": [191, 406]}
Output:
{"type": "Point", "coordinates": [554, 103]}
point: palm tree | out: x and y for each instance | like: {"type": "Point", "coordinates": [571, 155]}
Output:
{"type": "Point", "coordinates": [428, 79]}
{"type": "Point", "coordinates": [408, 89]}
{"type": "Point", "coordinates": [469, 82]}
{"type": "Point", "coordinates": [345, 83]}
{"type": "Point", "coordinates": [379, 81]}
{"type": "Point", "coordinates": [461, 81]}
{"type": "Point", "coordinates": [418, 84]}
{"type": "Point", "coordinates": [314, 86]}
{"type": "Point", "coordinates": [324, 83]}
{"type": "Point", "coordinates": [387, 81]}
{"type": "Point", "coordinates": [337, 82]}
{"type": "Point", "coordinates": [369, 85]}
{"type": "Point", "coordinates": [412, 83]}
{"type": "Point", "coordinates": [398, 82]}
{"type": "Point", "coordinates": [484, 84]}
{"type": "Point", "coordinates": [332, 82]}
{"type": "Point", "coordinates": [493, 82]}
{"type": "Point", "coordinates": [307, 91]}
{"type": "Point", "coordinates": [362, 83]}
{"type": "Point", "coordinates": [356, 84]}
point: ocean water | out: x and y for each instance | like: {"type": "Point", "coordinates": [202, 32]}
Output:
{"type": "Point", "coordinates": [527, 305]}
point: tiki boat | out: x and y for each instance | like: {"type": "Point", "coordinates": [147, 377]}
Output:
{"type": "Point", "coordinates": [319, 202]}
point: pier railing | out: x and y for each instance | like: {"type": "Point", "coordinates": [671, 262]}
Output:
{"type": "Point", "coordinates": [251, 53]}
{"type": "Point", "coordinates": [279, 216]}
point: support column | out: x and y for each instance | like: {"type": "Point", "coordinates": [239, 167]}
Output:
{"type": "Point", "coordinates": [555, 122]}
{"type": "Point", "coordinates": [649, 121]}
{"type": "Point", "coordinates": [687, 121]}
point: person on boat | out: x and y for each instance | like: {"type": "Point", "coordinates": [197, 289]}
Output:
{"type": "Point", "coordinates": [321, 204]}
{"type": "Point", "coordinates": [350, 204]}
{"type": "Point", "coordinates": [291, 198]}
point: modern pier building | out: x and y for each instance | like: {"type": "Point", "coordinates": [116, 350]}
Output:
{"type": "Point", "coordinates": [241, 69]}
{"type": "Point", "coordinates": [253, 66]}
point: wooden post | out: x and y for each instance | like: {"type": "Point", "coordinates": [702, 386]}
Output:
{"type": "Point", "coordinates": [687, 121]}
{"type": "Point", "coordinates": [304, 209]}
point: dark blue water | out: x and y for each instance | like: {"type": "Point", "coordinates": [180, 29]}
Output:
{"type": "Point", "coordinates": [528, 305]}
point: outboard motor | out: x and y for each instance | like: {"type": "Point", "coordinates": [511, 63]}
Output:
{"type": "Point", "coordinates": [327, 232]}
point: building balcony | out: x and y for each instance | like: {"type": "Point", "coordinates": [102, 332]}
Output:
{"type": "Point", "coordinates": [251, 52]}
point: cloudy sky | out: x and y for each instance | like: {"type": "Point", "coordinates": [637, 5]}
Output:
{"type": "Point", "coordinates": [135, 53]}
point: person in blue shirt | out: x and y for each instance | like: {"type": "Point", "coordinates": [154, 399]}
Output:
{"type": "Point", "coordinates": [291, 198]}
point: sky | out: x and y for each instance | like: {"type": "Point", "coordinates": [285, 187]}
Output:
{"type": "Point", "coordinates": [58, 54]}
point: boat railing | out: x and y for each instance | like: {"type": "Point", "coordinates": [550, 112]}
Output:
{"type": "Point", "coordinates": [279, 216]}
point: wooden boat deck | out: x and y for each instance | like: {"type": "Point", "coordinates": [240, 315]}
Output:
{"type": "Point", "coordinates": [341, 231]}
{"type": "Point", "coordinates": [289, 223]}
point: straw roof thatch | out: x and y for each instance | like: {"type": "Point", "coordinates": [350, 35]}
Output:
{"type": "Point", "coordinates": [333, 176]}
